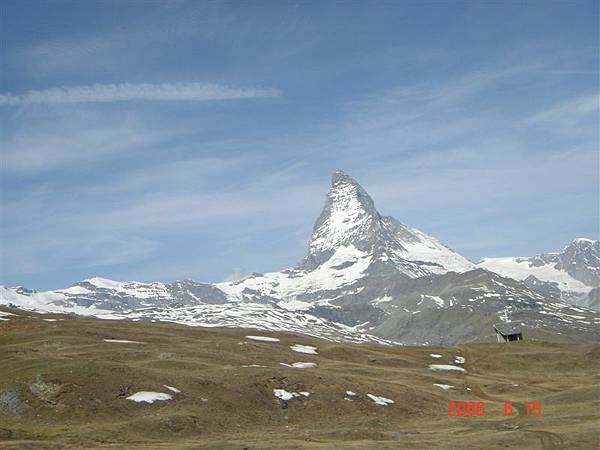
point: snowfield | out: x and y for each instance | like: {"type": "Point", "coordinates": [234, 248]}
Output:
{"type": "Point", "coordinates": [520, 268]}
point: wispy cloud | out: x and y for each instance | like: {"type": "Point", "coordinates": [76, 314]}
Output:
{"type": "Point", "coordinates": [123, 224]}
{"type": "Point", "coordinates": [196, 92]}
{"type": "Point", "coordinates": [571, 109]}
{"type": "Point", "coordinates": [41, 145]}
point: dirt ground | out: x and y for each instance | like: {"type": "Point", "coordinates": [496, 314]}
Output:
{"type": "Point", "coordinates": [63, 386]}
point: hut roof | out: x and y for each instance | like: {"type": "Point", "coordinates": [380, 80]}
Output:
{"type": "Point", "coordinates": [507, 328]}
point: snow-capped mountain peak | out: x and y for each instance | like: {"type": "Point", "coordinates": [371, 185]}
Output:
{"type": "Point", "coordinates": [349, 217]}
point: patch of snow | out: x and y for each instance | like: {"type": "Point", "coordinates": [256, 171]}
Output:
{"type": "Point", "coordinates": [446, 367]}
{"type": "Point", "coordinates": [284, 395]}
{"type": "Point", "coordinates": [4, 315]}
{"type": "Point", "coordinates": [459, 360]}
{"type": "Point", "coordinates": [304, 365]}
{"type": "Point", "coordinates": [350, 393]}
{"type": "Point", "coordinates": [123, 341]}
{"type": "Point", "coordinates": [252, 365]}
{"type": "Point", "coordinates": [172, 389]}
{"type": "Point", "coordinates": [309, 349]}
{"type": "Point", "coordinates": [435, 355]}
{"type": "Point", "coordinates": [263, 338]}
{"type": "Point", "coordinates": [384, 299]}
{"type": "Point", "coordinates": [380, 400]}
{"type": "Point", "coordinates": [439, 301]}
{"type": "Point", "coordinates": [444, 386]}
{"type": "Point", "coordinates": [149, 397]}
{"type": "Point", "coordinates": [305, 393]}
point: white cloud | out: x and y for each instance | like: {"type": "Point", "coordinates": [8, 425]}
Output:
{"type": "Point", "coordinates": [196, 92]}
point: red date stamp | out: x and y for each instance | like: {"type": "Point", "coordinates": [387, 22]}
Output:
{"type": "Point", "coordinates": [479, 409]}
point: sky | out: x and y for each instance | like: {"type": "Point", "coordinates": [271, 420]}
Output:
{"type": "Point", "coordinates": [164, 140]}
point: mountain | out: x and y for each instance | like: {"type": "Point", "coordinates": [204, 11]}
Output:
{"type": "Point", "coordinates": [349, 218]}
{"type": "Point", "coordinates": [365, 278]}
{"type": "Point", "coordinates": [351, 241]}
{"type": "Point", "coordinates": [572, 275]}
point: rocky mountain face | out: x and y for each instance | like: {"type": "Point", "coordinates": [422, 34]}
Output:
{"type": "Point", "coordinates": [572, 275]}
{"type": "Point", "coordinates": [366, 278]}
{"type": "Point", "coordinates": [349, 218]}
{"type": "Point", "coordinates": [581, 260]}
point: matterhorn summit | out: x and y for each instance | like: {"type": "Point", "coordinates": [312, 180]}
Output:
{"type": "Point", "coordinates": [350, 219]}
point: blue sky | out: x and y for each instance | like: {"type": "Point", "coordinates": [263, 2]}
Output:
{"type": "Point", "coordinates": [168, 140]}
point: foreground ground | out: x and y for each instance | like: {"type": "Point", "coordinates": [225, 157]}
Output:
{"type": "Point", "coordinates": [62, 385]}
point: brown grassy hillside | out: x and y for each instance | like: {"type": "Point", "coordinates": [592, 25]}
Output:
{"type": "Point", "coordinates": [63, 386]}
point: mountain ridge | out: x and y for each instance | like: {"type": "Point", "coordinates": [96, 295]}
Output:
{"type": "Point", "coordinates": [572, 274]}
{"type": "Point", "coordinates": [365, 277]}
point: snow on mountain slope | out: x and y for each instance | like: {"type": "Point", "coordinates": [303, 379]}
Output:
{"type": "Point", "coordinates": [520, 268]}
{"type": "Point", "coordinates": [574, 272]}
{"type": "Point", "coordinates": [344, 267]}
{"type": "Point", "coordinates": [49, 301]}
{"type": "Point", "coordinates": [140, 290]}
{"type": "Point", "coordinates": [427, 250]}
{"type": "Point", "coordinates": [258, 316]}
{"type": "Point", "coordinates": [237, 315]}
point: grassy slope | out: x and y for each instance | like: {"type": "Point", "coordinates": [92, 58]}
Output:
{"type": "Point", "coordinates": [74, 384]}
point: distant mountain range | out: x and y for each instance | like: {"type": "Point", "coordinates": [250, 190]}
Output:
{"type": "Point", "coordinates": [572, 275]}
{"type": "Point", "coordinates": [366, 278]}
